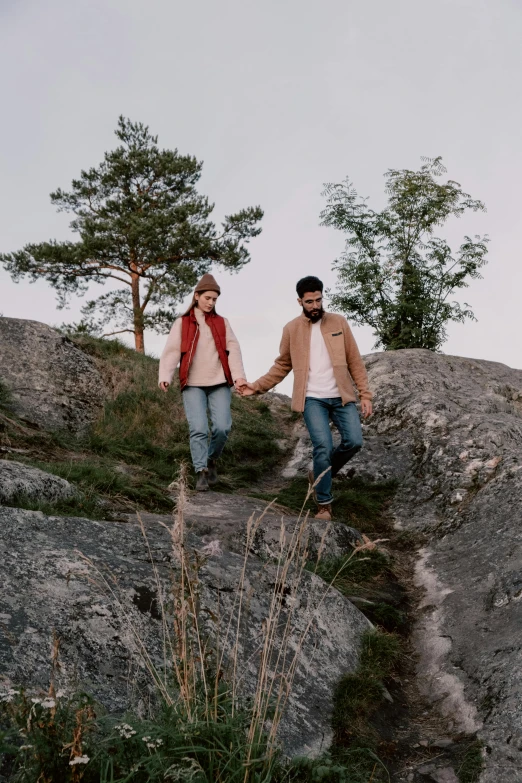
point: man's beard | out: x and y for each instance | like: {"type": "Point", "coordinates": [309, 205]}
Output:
{"type": "Point", "coordinates": [318, 314]}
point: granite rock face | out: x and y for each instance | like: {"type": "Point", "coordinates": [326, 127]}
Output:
{"type": "Point", "coordinates": [53, 384]}
{"type": "Point", "coordinates": [47, 584]}
{"type": "Point", "coordinates": [449, 430]}
{"type": "Point", "coordinates": [17, 479]}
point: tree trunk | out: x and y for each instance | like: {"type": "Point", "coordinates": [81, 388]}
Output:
{"type": "Point", "coordinates": [139, 341]}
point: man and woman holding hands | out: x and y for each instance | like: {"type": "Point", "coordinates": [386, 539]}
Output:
{"type": "Point", "coordinates": [317, 346]}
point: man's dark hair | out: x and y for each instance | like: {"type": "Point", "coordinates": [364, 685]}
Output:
{"type": "Point", "coordinates": [309, 284]}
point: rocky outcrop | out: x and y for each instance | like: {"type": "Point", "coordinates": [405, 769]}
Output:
{"type": "Point", "coordinates": [19, 480]}
{"type": "Point", "coordinates": [449, 430]}
{"type": "Point", "coordinates": [53, 384]}
{"type": "Point", "coordinates": [47, 585]}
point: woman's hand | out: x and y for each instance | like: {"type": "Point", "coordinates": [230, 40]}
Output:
{"type": "Point", "coordinates": [239, 383]}
{"type": "Point", "coordinates": [164, 386]}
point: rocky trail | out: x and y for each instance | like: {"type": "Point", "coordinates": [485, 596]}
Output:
{"type": "Point", "coordinates": [446, 433]}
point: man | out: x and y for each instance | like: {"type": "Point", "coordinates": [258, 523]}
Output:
{"type": "Point", "coordinates": [319, 347]}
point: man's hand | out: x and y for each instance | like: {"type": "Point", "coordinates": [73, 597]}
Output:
{"type": "Point", "coordinates": [239, 383]}
{"type": "Point", "coordinates": [164, 386]}
{"type": "Point", "coordinates": [366, 408]}
{"type": "Point", "coordinates": [247, 390]}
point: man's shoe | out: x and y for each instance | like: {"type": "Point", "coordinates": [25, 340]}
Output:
{"type": "Point", "coordinates": [212, 476]}
{"type": "Point", "coordinates": [202, 482]}
{"type": "Point", "coordinates": [325, 512]}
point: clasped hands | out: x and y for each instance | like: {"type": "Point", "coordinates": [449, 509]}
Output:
{"type": "Point", "coordinates": [244, 388]}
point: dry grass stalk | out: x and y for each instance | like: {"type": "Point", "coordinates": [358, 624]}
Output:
{"type": "Point", "coordinates": [186, 649]}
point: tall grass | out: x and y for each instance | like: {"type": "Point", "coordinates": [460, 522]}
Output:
{"type": "Point", "coordinates": [206, 729]}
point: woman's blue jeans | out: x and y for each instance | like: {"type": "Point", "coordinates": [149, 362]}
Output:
{"type": "Point", "coordinates": [196, 401]}
{"type": "Point", "coordinates": [317, 416]}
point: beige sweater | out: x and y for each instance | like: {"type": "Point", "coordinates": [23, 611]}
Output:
{"type": "Point", "coordinates": [206, 368]}
{"type": "Point", "coordinates": [294, 354]}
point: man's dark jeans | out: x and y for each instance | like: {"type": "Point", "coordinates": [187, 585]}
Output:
{"type": "Point", "coordinates": [317, 415]}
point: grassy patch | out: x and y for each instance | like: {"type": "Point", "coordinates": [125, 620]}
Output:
{"type": "Point", "coordinates": [356, 502]}
{"type": "Point", "coordinates": [353, 570]}
{"type": "Point", "coordinates": [5, 397]}
{"type": "Point", "coordinates": [358, 765]}
{"type": "Point", "coordinates": [368, 573]}
{"type": "Point", "coordinates": [133, 452]}
{"type": "Point", "coordinates": [472, 763]}
{"type": "Point", "coordinates": [143, 426]}
{"type": "Point", "coordinates": [103, 478]}
{"type": "Point", "coordinates": [359, 695]}
{"type": "Point", "coordinates": [83, 505]}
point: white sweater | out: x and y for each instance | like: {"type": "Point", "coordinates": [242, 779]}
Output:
{"type": "Point", "coordinates": [206, 368]}
{"type": "Point", "coordinates": [321, 378]}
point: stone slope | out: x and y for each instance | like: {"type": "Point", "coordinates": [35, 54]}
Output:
{"type": "Point", "coordinates": [53, 384]}
{"type": "Point", "coordinates": [449, 429]}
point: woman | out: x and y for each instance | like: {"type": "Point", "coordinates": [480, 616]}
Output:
{"type": "Point", "coordinates": [210, 364]}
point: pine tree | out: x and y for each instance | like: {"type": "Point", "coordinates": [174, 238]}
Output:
{"type": "Point", "coordinates": [140, 222]}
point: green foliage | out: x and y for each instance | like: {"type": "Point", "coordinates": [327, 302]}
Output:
{"type": "Point", "coordinates": [5, 397]}
{"type": "Point", "coordinates": [134, 450]}
{"type": "Point", "coordinates": [472, 763]}
{"type": "Point", "coordinates": [356, 502]}
{"type": "Point", "coordinates": [395, 275]}
{"type": "Point", "coordinates": [142, 223]}
{"type": "Point", "coordinates": [43, 736]}
{"type": "Point", "coordinates": [83, 505]}
{"type": "Point", "coordinates": [143, 426]}
{"type": "Point", "coordinates": [103, 478]}
{"type": "Point", "coordinates": [360, 694]}
{"type": "Point", "coordinates": [40, 736]}
{"type": "Point", "coordinates": [352, 570]}
{"type": "Point", "coordinates": [358, 765]}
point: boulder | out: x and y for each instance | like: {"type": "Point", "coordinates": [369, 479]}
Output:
{"type": "Point", "coordinates": [17, 479]}
{"type": "Point", "coordinates": [225, 517]}
{"type": "Point", "coordinates": [47, 584]}
{"type": "Point", "coordinates": [53, 384]}
{"type": "Point", "coordinates": [449, 430]}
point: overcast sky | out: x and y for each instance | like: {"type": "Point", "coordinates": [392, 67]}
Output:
{"type": "Point", "coordinates": [276, 97]}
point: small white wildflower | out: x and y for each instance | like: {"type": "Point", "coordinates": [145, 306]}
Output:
{"type": "Point", "coordinates": [36, 701]}
{"type": "Point", "coordinates": [125, 730]}
{"type": "Point", "coordinates": [61, 693]}
{"type": "Point", "coordinates": [48, 704]}
{"type": "Point", "coordinates": [159, 742]}
{"type": "Point", "coordinates": [78, 760]}
{"type": "Point", "coordinates": [146, 739]}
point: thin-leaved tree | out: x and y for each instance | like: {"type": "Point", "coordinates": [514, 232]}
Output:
{"type": "Point", "coordinates": [142, 225]}
{"type": "Point", "coordinates": [395, 274]}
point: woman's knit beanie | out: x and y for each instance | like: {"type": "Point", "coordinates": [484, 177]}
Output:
{"type": "Point", "coordinates": [207, 283]}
